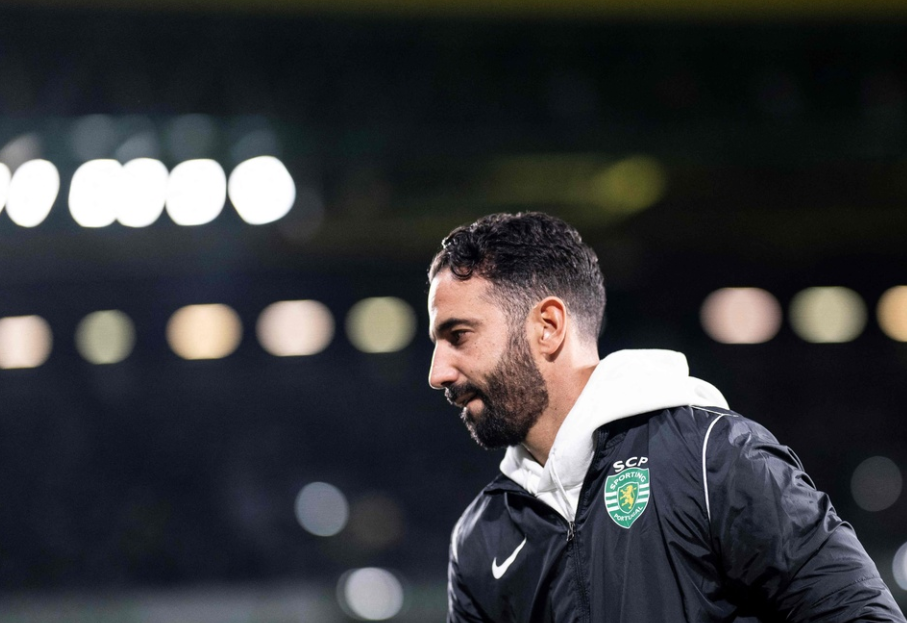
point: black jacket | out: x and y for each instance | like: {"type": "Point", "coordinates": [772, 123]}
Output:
{"type": "Point", "coordinates": [686, 514]}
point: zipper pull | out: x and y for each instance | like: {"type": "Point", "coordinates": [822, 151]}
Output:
{"type": "Point", "coordinates": [571, 531]}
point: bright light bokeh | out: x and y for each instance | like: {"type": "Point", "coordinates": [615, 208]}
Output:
{"type": "Point", "coordinates": [96, 193]}
{"type": "Point", "coordinates": [630, 185]}
{"type": "Point", "coordinates": [322, 509]}
{"type": "Point", "coordinates": [196, 192]}
{"type": "Point", "coordinates": [204, 331]}
{"type": "Point", "coordinates": [105, 337]}
{"type": "Point", "coordinates": [104, 191]}
{"type": "Point", "coordinates": [371, 594]}
{"type": "Point", "coordinates": [145, 183]}
{"type": "Point", "coordinates": [892, 313]}
{"type": "Point", "coordinates": [828, 314]}
{"type": "Point", "coordinates": [32, 192]}
{"type": "Point", "coordinates": [741, 315]}
{"type": "Point", "coordinates": [295, 328]}
{"type": "Point", "coordinates": [262, 190]}
{"type": "Point", "coordinates": [5, 177]}
{"type": "Point", "coordinates": [25, 342]}
{"type": "Point", "coordinates": [899, 566]}
{"type": "Point", "coordinates": [876, 484]}
{"type": "Point", "coordinates": [381, 324]}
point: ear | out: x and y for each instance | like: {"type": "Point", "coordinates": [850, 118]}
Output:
{"type": "Point", "coordinates": [551, 324]}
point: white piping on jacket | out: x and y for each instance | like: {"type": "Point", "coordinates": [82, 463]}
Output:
{"type": "Point", "coordinates": [705, 478]}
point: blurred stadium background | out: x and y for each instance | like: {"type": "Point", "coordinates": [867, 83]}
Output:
{"type": "Point", "coordinates": [216, 221]}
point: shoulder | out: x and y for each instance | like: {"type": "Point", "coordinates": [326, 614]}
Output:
{"type": "Point", "coordinates": [734, 438]}
{"type": "Point", "coordinates": [481, 511]}
{"type": "Point", "coordinates": [745, 466]}
{"type": "Point", "coordinates": [724, 438]}
{"type": "Point", "coordinates": [704, 444]}
{"type": "Point", "coordinates": [714, 426]}
{"type": "Point", "coordinates": [688, 430]}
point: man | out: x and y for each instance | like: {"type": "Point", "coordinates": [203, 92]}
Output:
{"type": "Point", "coordinates": [629, 491]}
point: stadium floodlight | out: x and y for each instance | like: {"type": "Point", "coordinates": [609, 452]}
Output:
{"type": "Point", "coordinates": [381, 324]}
{"type": "Point", "coordinates": [892, 313]}
{"type": "Point", "coordinates": [96, 192]}
{"type": "Point", "coordinates": [262, 190]}
{"type": "Point", "coordinates": [32, 192]}
{"type": "Point", "coordinates": [370, 594]}
{"type": "Point", "coordinates": [322, 509]}
{"type": "Point", "coordinates": [295, 328]}
{"type": "Point", "coordinates": [25, 342]}
{"type": "Point", "coordinates": [828, 315]}
{"type": "Point", "coordinates": [741, 315]}
{"type": "Point", "coordinates": [876, 484]}
{"type": "Point", "coordinates": [105, 337]}
{"type": "Point", "coordinates": [204, 331]}
{"type": "Point", "coordinates": [196, 192]}
{"type": "Point", "coordinates": [145, 183]}
{"type": "Point", "coordinates": [899, 566]}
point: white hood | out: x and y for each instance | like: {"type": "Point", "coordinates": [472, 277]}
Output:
{"type": "Point", "coordinates": [625, 383]}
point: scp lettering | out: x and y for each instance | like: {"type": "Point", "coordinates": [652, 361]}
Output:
{"type": "Point", "coordinates": [633, 461]}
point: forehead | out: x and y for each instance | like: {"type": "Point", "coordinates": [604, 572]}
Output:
{"type": "Point", "coordinates": [452, 297]}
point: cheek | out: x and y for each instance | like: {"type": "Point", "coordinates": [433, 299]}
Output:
{"type": "Point", "coordinates": [479, 358]}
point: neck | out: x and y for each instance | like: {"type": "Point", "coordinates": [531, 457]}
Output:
{"type": "Point", "coordinates": [564, 390]}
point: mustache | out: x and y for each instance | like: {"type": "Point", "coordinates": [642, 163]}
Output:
{"type": "Point", "coordinates": [454, 393]}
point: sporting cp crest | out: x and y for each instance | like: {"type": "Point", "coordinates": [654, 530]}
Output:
{"type": "Point", "coordinates": [627, 495]}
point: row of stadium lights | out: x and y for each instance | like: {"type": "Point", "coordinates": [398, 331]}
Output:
{"type": "Point", "coordinates": [136, 193]}
{"type": "Point", "coordinates": [214, 331]}
{"type": "Point", "coordinates": [819, 315]}
{"type": "Point", "coordinates": [387, 324]}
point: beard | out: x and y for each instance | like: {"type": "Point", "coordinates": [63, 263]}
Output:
{"type": "Point", "coordinates": [513, 395]}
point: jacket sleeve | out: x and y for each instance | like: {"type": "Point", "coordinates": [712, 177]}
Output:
{"type": "Point", "coordinates": [782, 549]}
{"type": "Point", "coordinates": [460, 605]}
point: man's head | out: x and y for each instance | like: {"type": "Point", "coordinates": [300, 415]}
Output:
{"type": "Point", "coordinates": [526, 257]}
{"type": "Point", "coordinates": [506, 290]}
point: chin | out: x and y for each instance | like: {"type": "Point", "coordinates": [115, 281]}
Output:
{"type": "Point", "coordinates": [469, 417]}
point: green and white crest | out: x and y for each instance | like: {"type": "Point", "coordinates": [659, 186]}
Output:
{"type": "Point", "coordinates": [627, 495]}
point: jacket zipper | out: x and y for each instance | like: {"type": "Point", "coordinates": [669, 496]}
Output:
{"type": "Point", "coordinates": [584, 605]}
{"type": "Point", "coordinates": [574, 553]}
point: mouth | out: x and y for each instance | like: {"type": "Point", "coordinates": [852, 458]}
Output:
{"type": "Point", "coordinates": [461, 396]}
{"type": "Point", "coordinates": [464, 401]}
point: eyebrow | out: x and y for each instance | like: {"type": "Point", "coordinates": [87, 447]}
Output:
{"type": "Point", "coordinates": [447, 325]}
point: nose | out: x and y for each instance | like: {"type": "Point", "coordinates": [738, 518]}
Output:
{"type": "Point", "coordinates": [442, 372]}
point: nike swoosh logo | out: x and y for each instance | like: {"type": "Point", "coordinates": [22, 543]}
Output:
{"type": "Point", "coordinates": [498, 571]}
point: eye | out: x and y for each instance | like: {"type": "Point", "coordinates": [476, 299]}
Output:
{"type": "Point", "coordinates": [457, 336]}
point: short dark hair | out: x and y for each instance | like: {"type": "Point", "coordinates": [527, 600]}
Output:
{"type": "Point", "coordinates": [528, 256]}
